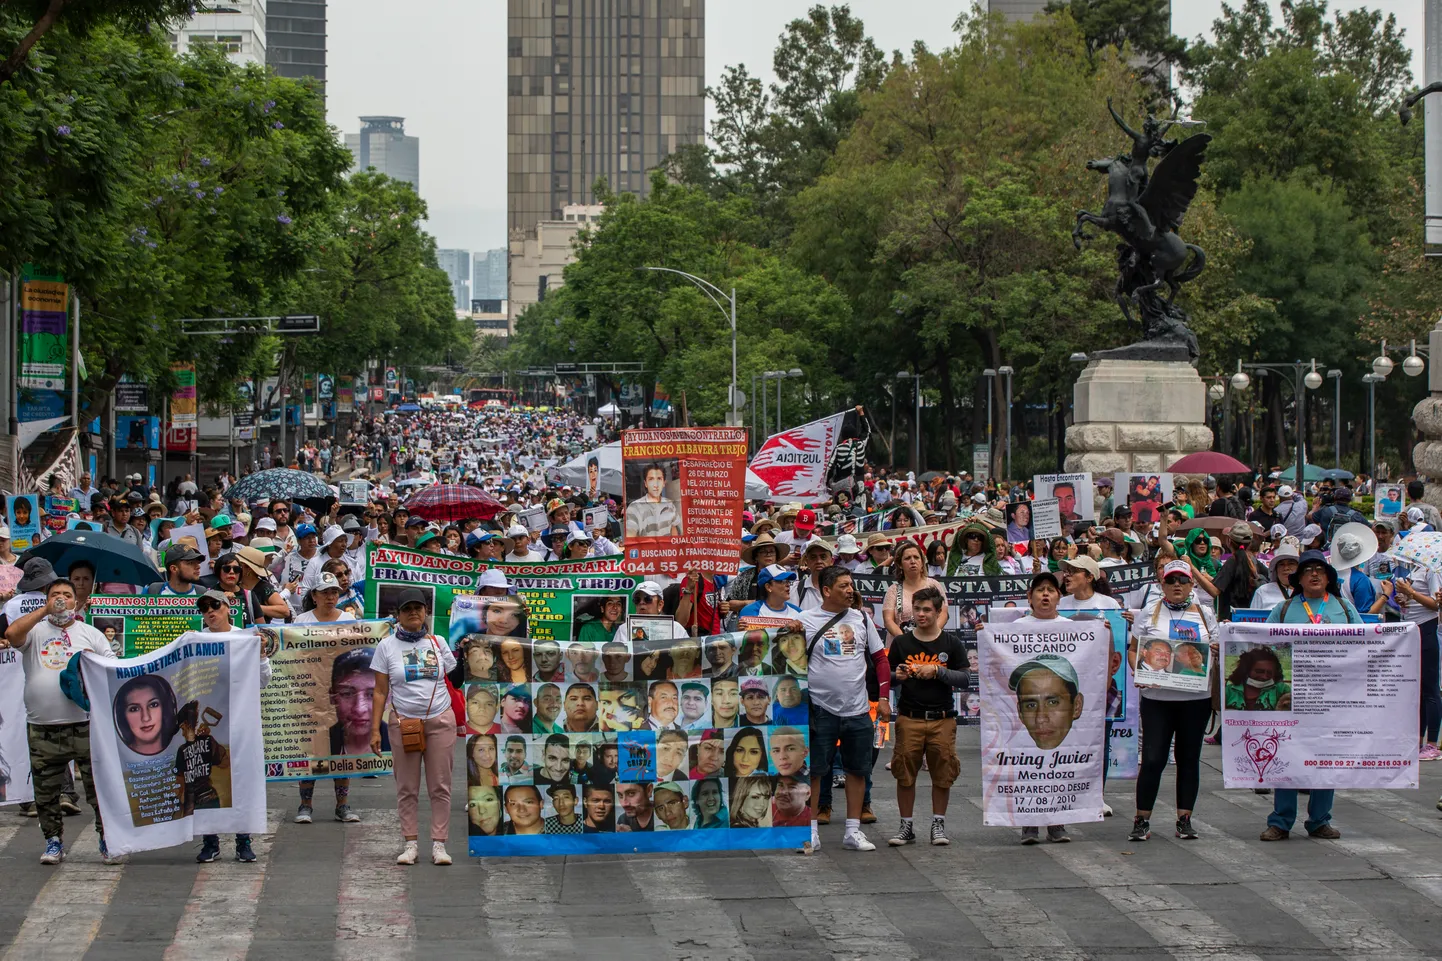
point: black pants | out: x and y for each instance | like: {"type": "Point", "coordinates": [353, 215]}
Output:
{"type": "Point", "coordinates": [1161, 721]}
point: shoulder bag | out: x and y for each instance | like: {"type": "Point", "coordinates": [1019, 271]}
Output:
{"type": "Point", "coordinates": [413, 729]}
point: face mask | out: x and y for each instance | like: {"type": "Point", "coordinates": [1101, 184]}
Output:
{"type": "Point", "coordinates": [1252, 682]}
{"type": "Point", "coordinates": [62, 618]}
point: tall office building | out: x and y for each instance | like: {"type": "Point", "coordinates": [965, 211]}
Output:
{"type": "Point", "coordinates": [488, 275]}
{"type": "Point", "coordinates": [382, 143]}
{"type": "Point", "coordinates": [598, 88]}
{"type": "Point", "coordinates": [295, 38]}
{"type": "Point", "coordinates": [457, 265]}
{"type": "Point", "coordinates": [1017, 9]}
{"type": "Point", "coordinates": [237, 27]}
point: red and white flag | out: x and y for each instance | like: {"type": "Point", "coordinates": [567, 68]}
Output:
{"type": "Point", "coordinates": [795, 462]}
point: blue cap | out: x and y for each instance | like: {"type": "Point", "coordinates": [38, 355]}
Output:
{"type": "Point", "coordinates": [305, 530]}
{"type": "Point", "coordinates": [774, 572]}
{"type": "Point", "coordinates": [477, 537]}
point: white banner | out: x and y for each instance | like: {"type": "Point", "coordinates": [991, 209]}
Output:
{"type": "Point", "coordinates": [1045, 518]}
{"type": "Point", "coordinates": [1176, 655]}
{"type": "Point", "coordinates": [794, 462]}
{"type": "Point", "coordinates": [1043, 720]}
{"type": "Point", "coordinates": [1074, 492]}
{"type": "Point", "coordinates": [175, 741]}
{"type": "Point", "coordinates": [15, 785]}
{"type": "Point", "coordinates": [1320, 706]}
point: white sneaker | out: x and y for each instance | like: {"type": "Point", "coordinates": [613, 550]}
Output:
{"type": "Point", "coordinates": [1106, 810]}
{"type": "Point", "coordinates": [438, 853]}
{"type": "Point", "coordinates": [856, 841]}
{"type": "Point", "coordinates": [409, 854]}
{"type": "Point", "coordinates": [815, 844]}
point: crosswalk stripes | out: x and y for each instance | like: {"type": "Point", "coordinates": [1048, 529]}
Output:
{"type": "Point", "coordinates": [691, 924]}
{"type": "Point", "coordinates": [66, 914]}
{"type": "Point", "coordinates": [218, 922]}
{"type": "Point", "coordinates": [518, 895]}
{"type": "Point", "coordinates": [1402, 808]}
{"type": "Point", "coordinates": [373, 920]}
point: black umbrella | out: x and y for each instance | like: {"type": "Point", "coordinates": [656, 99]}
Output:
{"type": "Point", "coordinates": [929, 476]}
{"type": "Point", "coordinates": [115, 559]}
{"type": "Point", "coordinates": [282, 482]}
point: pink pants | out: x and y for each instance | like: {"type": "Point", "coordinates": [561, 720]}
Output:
{"type": "Point", "coordinates": [439, 756]}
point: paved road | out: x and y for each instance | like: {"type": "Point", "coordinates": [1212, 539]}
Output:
{"type": "Point", "coordinates": [328, 890]}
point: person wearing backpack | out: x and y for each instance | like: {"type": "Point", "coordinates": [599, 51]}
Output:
{"type": "Point", "coordinates": [1318, 600]}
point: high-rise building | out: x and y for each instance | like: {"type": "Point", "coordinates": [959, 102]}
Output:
{"type": "Point", "coordinates": [457, 265]}
{"type": "Point", "coordinates": [295, 38]}
{"type": "Point", "coordinates": [382, 143]}
{"type": "Point", "coordinates": [488, 275]}
{"type": "Point", "coordinates": [1017, 9]}
{"type": "Point", "coordinates": [237, 27]}
{"type": "Point", "coordinates": [598, 88]}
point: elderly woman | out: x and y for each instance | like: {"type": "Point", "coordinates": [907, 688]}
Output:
{"type": "Point", "coordinates": [409, 664]}
{"type": "Point", "coordinates": [759, 554]}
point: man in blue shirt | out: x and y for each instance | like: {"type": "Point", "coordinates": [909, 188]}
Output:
{"type": "Point", "coordinates": [1318, 600]}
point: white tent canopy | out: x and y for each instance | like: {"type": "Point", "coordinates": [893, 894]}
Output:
{"type": "Point", "coordinates": [609, 411]}
{"type": "Point", "coordinates": [608, 460]}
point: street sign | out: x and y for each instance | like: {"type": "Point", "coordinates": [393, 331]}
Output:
{"type": "Point", "coordinates": [740, 397]}
{"type": "Point", "coordinates": [297, 323]}
{"type": "Point", "coordinates": [132, 398]}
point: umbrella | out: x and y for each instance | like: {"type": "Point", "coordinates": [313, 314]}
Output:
{"type": "Point", "coordinates": [1214, 525]}
{"type": "Point", "coordinates": [1422, 549]}
{"type": "Point", "coordinates": [608, 462]}
{"type": "Point", "coordinates": [1337, 474]}
{"type": "Point", "coordinates": [1309, 473]}
{"type": "Point", "coordinates": [282, 482]}
{"type": "Point", "coordinates": [115, 559]}
{"type": "Point", "coordinates": [1209, 462]}
{"type": "Point", "coordinates": [453, 502]}
{"type": "Point", "coordinates": [414, 482]}
{"type": "Point", "coordinates": [929, 476]}
{"type": "Point", "coordinates": [408, 409]}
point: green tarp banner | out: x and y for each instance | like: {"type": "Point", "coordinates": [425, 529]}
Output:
{"type": "Point", "coordinates": [137, 625]}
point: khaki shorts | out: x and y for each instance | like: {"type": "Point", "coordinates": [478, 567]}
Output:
{"type": "Point", "coordinates": [934, 740]}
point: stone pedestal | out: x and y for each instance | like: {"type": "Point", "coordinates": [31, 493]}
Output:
{"type": "Point", "coordinates": [1136, 416]}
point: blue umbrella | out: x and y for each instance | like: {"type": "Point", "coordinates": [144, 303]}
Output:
{"type": "Point", "coordinates": [408, 408]}
{"type": "Point", "coordinates": [115, 559]}
{"type": "Point", "coordinates": [1337, 474]}
{"type": "Point", "coordinates": [282, 482]}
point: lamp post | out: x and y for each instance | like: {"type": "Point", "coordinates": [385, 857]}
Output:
{"type": "Point", "coordinates": [916, 430]}
{"type": "Point", "coordinates": [1412, 365]}
{"type": "Point", "coordinates": [1006, 372]}
{"type": "Point", "coordinates": [779, 376]}
{"type": "Point", "coordinates": [1336, 376]}
{"type": "Point", "coordinates": [989, 375]}
{"type": "Point", "coordinates": [1304, 377]}
{"type": "Point", "coordinates": [1371, 380]}
{"type": "Point", "coordinates": [717, 296]}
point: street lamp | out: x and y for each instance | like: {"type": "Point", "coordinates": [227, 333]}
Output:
{"type": "Point", "coordinates": [1372, 380]}
{"type": "Point", "coordinates": [717, 295]}
{"type": "Point", "coordinates": [1006, 372]}
{"type": "Point", "coordinates": [779, 376]}
{"type": "Point", "coordinates": [916, 431]}
{"type": "Point", "coordinates": [990, 376]}
{"type": "Point", "coordinates": [1336, 376]}
{"type": "Point", "coordinates": [1304, 374]}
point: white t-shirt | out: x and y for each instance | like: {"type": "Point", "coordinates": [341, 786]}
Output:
{"type": "Point", "coordinates": [1267, 596]}
{"type": "Point", "coordinates": [805, 594]}
{"type": "Point", "coordinates": [22, 604]}
{"type": "Point", "coordinates": [530, 557]}
{"type": "Point", "coordinates": [46, 653]}
{"type": "Point", "coordinates": [417, 689]}
{"type": "Point", "coordinates": [309, 618]}
{"type": "Point", "coordinates": [1097, 602]}
{"type": "Point", "coordinates": [837, 668]}
{"type": "Point", "coordinates": [1426, 583]}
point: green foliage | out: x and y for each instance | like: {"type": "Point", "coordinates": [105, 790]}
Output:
{"type": "Point", "coordinates": [1143, 27]}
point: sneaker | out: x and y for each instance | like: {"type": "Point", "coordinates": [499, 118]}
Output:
{"type": "Point", "coordinates": [823, 815]}
{"type": "Point", "coordinates": [938, 833]}
{"type": "Point", "coordinates": [409, 854]}
{"type": "Point", "coordinates": [303, 816]}
{"type": "Point", "coordinates": [904, 835]}
{"type": "Point", "coordinates": [54, 852]}
{"type": "Point", "coordinates": [856, 841]}
{"type": "Point", "coordinates": [1031, 835]}
{"type": "Point", "coordinates": [1429, 752]}
{"type": "Point", "coordinates": [1056, 833]}
{"type": "Point", "coordinates": [29, 810]}
{"type": "Point", "coordinates": [1266, 790]}
{"type": "Point", "coordinates": [345, 815]}
{"type": "Point", "coordinates": [107, 858]}
{"type": "Point", "coordinates": [438, 853]}
{"type": "Point", "coordinates": [209, 851]}
{"type": "Point", "coordinates": [1185, 831]}
{"type": "Point", "coordinates": [838, 781]}
{"type": "Point", "coordinates": [1326, 833]}
{"type": "Point", "coordinates": [866, 816]}
{"type": "Point", "coordinates": [244, 852]}
{"type": "Point", "coordinates": [68, 807]}
{"type": "Point", "coordinates": [1274, 833]}
{"type": "Point", "coordinates": [815, 844]}
{"type": "Point", "coordinates": [1106, 810]}
{"type": "Point", "coordinates": [1141, 829]}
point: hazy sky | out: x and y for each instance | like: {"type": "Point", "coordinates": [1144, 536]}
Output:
{"type": "Point", "coordinates": [441, 64]}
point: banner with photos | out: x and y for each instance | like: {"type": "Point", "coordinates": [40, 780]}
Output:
{"type": "Point", "coordinates": [683, 490]}
{"type": "Point", "coordinates": [564, 601]}
{"type": "Point", "coordinates": [15, 783]}
{"type": "Point", "coordinates": [640, 743]}
{"type": "Point", "coordinates": [138, 624]}
{"type": "Point", "coordinates": [175, 741]}
{"type": "Point", "coordinates": [318, 708]}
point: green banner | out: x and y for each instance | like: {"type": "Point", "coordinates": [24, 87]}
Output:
{"type": "Point", "coordinates": [138, 625]}
{"type": "Point", "coordinates": [562, 599]}
{"type": "Point", "coordinates": [316, 712]}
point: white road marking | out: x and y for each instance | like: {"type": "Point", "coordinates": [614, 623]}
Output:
{"type": "Point", "coordinates": [218, 922]}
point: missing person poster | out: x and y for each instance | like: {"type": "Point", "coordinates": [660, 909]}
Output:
{"type": "Point", "coordinates": [1043, 720]}
{"type": "Point", "coordinates": [136, 625]}
{"type": "Point", "coordinates": [636, 745]}
{"type": "Point", "coordinates": [1320, 706]}
{"type": "Point", "coordinates": [318, 708]}
{"type": "Point", "coordinates": [1074, 493]}
{"type": "Point", "coordinates": [175, 741]}
{"type": "Point", "coordinates": [1046, 520]}
{"type": "Point", "coordinates": [1144, 494]}
{"type": "Point", "coordinates": [684, 497]}
{"type": "Point", "coordinates": [15, 784]}
{"type": "Point", "coordinates": [24, 513]}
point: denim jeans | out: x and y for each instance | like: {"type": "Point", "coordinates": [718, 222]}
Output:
{"type": "Point", "coordinates": [1284, 809]}
{"type": "Point", "coordinates": [854, 752]}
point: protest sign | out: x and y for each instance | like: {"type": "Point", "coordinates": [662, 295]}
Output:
{"type": "Point", "coordinates": [355, 492]}
{"type": "Point", "coordinates": [563, 597]}
{"type": "Point", "coordinates": [317, 710]}
{"type": "Point", "coordinates": [534, 520]}
{"type": "Point", "coordinates": [1043, 709]}
{"type": "Point", "coordinates": [1144, 494]}
{"type": "Point", "coordinates": [684, 496]}
{"type": "Point", "coordinates": [596, 518]}
{"type": "Point", "coordinates": [1074, 493]}
{"type": "Point", "coordinates": [24, 513]}
{"type": "Point", "coordinates": [57, 510]}
{"type": "Point", "coordinates": [1018, 522]}
{"type": "Point", "coordinates": [1046, 518]}
{"type": "Point", "coordinates": [1122, 707]}
{"type": "Point", "coordinates": [1391, 499]}
{"type": "Point", "coordinates": [795, 462]}
{"type": "Point", "coordinates": [1327, 706]}
{"type": "Point", "coordinates": [175, 741]}
{"type": "Point", "coordinates": [1175, 651]}
{"type": "Point", "coordinates": [136, 625]}
{"type": "Point", "coordinates": [627, 752]}
{"type": "Point", "coordinates": [15, 785]}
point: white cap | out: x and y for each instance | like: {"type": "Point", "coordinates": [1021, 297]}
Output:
{"type": "Point", "coordinates": [1310, 533]}
{"type": "Point", "coordinates": [1177, 567]}
{"type": "Point", "coordinates": [1414, 514]}
{"type": "Point", "coordinates": [5, 531]}
{"type": "Point", "coordinates": [846, 544]}
{"type": "Point", "coordinates": [978, 498]}
{"type": "Point", "coordinates": [517, 530]}
{"type": "Point", "coordinates": [327, 581]}
{"type": "Point", "coordinates": [816, 542]}
{"type": "Point", "coordinates": [1285, 492]}
{"type": "Point", "coordinates": [494, 577]}
{"type": "Point", "coordinates": [649, 588]}
{"type": "Point", "coordinates": [1277, 532]}
{"type": "Point", "coordinates": [265, 524]}
{"type": "Point", "coordinates": [332, 534]}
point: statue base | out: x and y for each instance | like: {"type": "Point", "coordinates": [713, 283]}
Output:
{"type": "Point", "coordinates": [1137, 414]}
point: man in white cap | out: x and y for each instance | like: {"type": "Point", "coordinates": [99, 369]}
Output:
{"type": "Point", "coordinates": [815, 558]}
{"type": "Point", "coordinates": [649, 601]}
{"type": "Point", "coordinates": [1291, 510]}
{"type": "Point", "coordinates": [1416, 521]}
{"type": "Point", "coordinates": [520, 550]}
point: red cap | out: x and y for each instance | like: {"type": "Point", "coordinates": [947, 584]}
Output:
{"type": "Point", "coordinates": [805, 521]}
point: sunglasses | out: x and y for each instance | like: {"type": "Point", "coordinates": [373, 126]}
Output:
{"type": "Point", "coordinates": [207, 608]}
{"type": "Point", "coordinates": [1177, 579]}
{"type": "Point", "coordinates": [230, 569]}
{"type": "Point", "coordinates": [280, 510]}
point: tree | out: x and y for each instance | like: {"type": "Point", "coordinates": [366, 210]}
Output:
{"type": "Point", "coordinates": [28, 21]}
{"type": "Point", "coordinates": [1141, 27]}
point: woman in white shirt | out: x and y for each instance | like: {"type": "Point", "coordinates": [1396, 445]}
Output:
{"type": "Point", "coordinates": [325, 595]}
{"type": "Point", "coordinates": [410, 664]}
{"type": "Point", "coordinates": [1086, 587]}
{"type": "Point", "coordinates": [1279, 587]}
